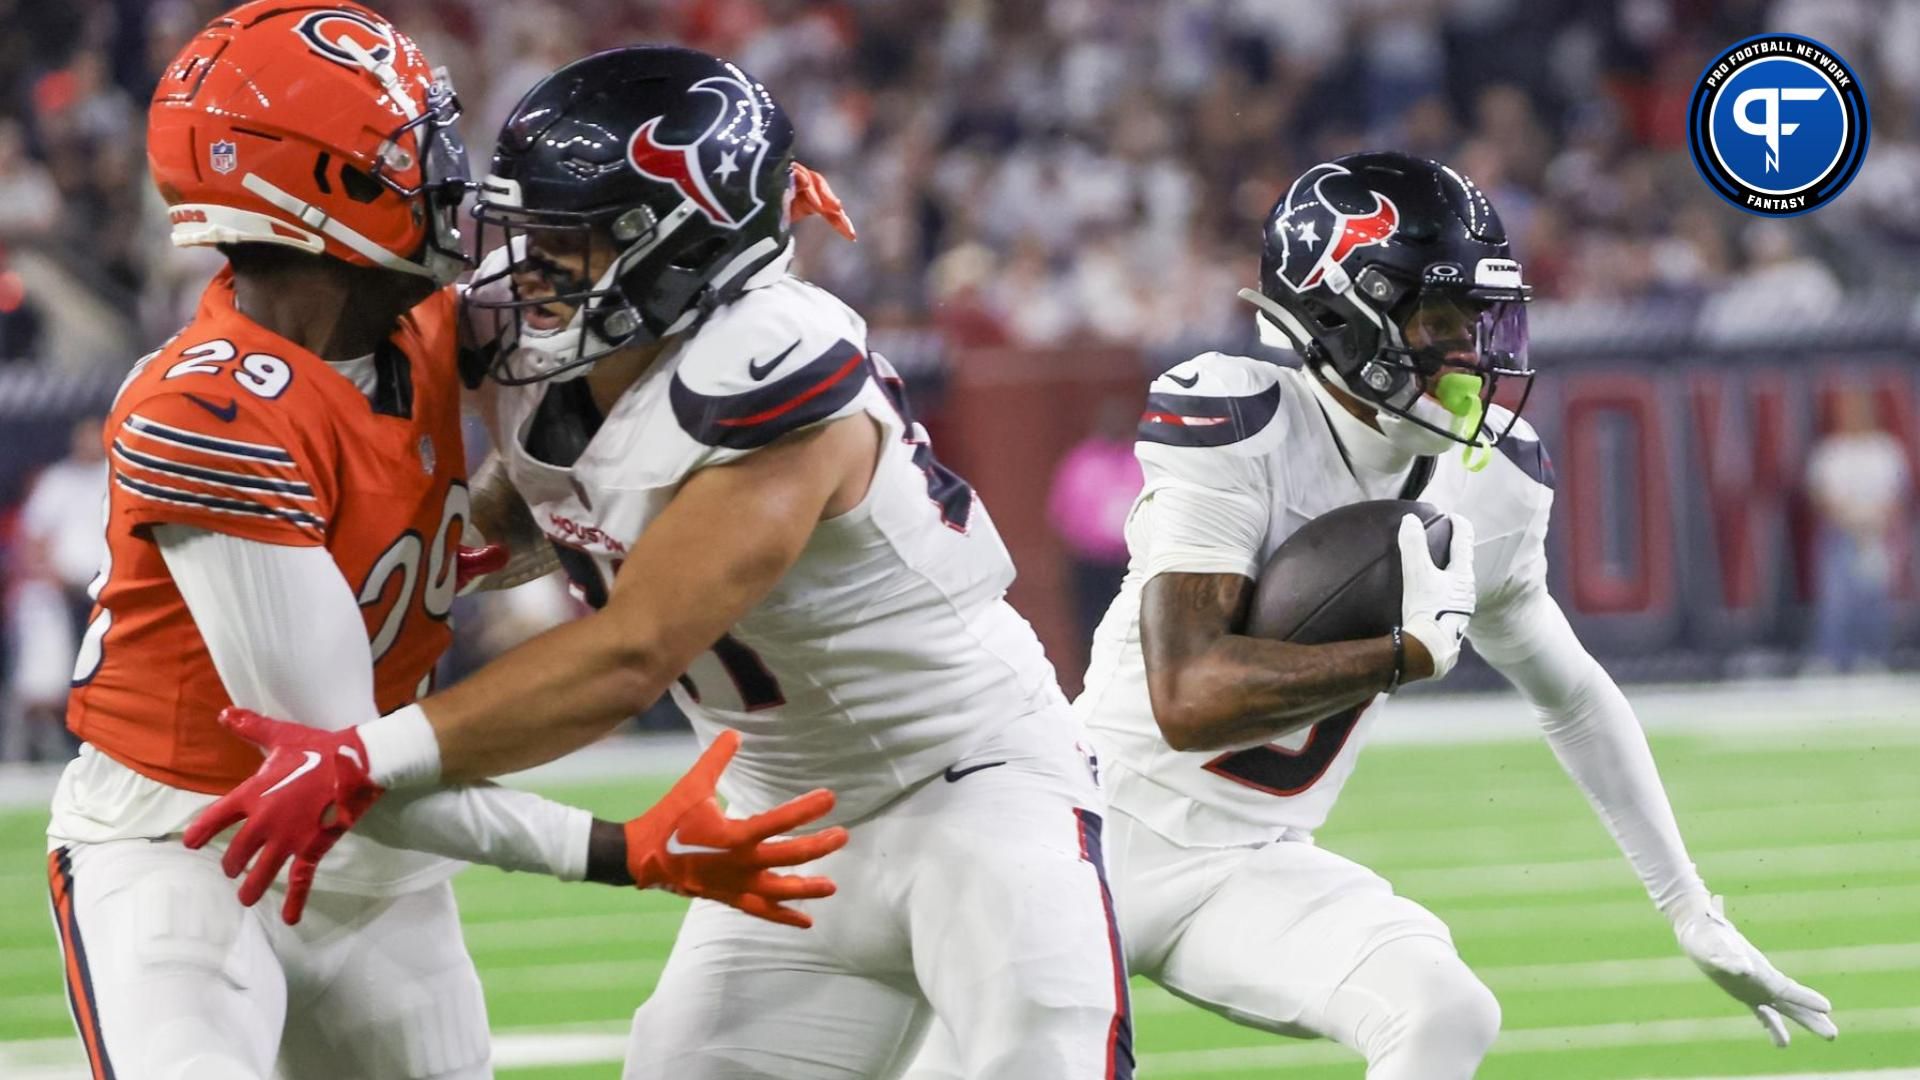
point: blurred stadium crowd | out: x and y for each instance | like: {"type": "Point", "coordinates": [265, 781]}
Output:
{"type": "Point", "coordinates": [1043, 173]}
{"type": "Point", "coordinates": [1068, 172]}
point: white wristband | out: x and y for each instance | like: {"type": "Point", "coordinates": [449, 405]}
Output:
{"type": "Point", "coordinates": [402, 750]}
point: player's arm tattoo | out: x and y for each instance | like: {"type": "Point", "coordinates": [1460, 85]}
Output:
{"type": "Point", "coordinates": [503, 517]}
{"type": "Point", "coordinates": [1215, 689]}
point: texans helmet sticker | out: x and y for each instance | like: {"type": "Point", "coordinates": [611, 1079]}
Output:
{"type": "Point", "coordinates": [1329, 216]}
{"type": "Point", "coordinates": [733, 141]}
{"type": "Point", "coordinates": [325, 31]}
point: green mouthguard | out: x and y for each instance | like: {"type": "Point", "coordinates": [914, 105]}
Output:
{"type": "Point", "coordinates": [1459, 393]}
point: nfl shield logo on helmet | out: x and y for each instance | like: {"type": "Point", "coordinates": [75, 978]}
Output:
{"type": "Point", "coordinates": [427, 458]}
{"type": "Point", "coordinates": [223, 156]}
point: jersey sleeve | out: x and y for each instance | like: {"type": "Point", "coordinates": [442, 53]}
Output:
{"type": "Point", "coordinates": [1511, 520]}
{"type": "Point", "coordinates": [230, 466]}
{"type": "Point", "coordinates": [1202, 441]}
{"type": "Point", "coordinates": [778, 360]}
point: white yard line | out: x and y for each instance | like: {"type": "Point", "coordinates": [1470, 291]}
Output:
{"type": "Point", "coordinates": [587, 1044]}
{"type": "Point", "coordinates": [1745, 865]}
{"type": "Point", "coordinates": [1281, 1052]}
{"type": "Point", "coordinates": [1870, 1074]}
{"type": "Point", "coordinates": [1652, 971]}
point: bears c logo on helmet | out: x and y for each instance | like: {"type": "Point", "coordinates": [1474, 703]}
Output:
{"type": "Point", "coordinates": [733, 141]}
{"type": "Point", "coordinates": [323, 31]}
{"type": "Point", "coordinates": [1329, 216]}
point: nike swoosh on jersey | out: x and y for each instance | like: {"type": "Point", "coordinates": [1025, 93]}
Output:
{"type": "Point", "coordinates": [311, 763]}
{"type": "Point", "coordinates": [226, 413]}
{"type": "Point", "coordinates": [760, 371]}
{"type": "Point", "coordinates": [954, 774]}
{"type": "Point", "coordinates": [1189, 382]}
{"type": "Point", "coordinates": [675, 846]}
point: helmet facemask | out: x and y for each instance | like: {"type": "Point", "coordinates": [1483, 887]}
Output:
{"type": "Point", "coordinates": [443, 181]}
{"type": "Point", "coordinates": [659, 280]}
{"type": "Point", "coordinates": [1440, 350]}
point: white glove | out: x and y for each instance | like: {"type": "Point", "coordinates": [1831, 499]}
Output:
{"type": "Point", "coordinates": [1735, 966]}
{"type": "Point", "coordinates": [1435, 604]}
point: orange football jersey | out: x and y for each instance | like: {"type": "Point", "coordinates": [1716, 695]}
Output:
{"type": "Point", "coordinates": [237, 430]}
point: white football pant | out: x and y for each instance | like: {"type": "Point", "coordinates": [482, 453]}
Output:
{"type": "Point", "coordinates": [169, 978]}
{"type": "Point", "coordinates": [1295, 940]}
{"type": "Point", "coordinates": [979, 896]}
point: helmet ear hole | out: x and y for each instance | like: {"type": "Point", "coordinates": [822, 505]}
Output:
{"type": "Point", "coordinates": [359, 187]}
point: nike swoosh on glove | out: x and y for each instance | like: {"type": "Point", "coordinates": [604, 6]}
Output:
{"type": "Point", "coordinates": [687, 846]}
{"type": "Point", "coordinates": [304, 797]}
{"type": "Point", "coordinates": [1732, 962]}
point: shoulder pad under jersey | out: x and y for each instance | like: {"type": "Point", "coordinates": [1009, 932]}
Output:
{"type": "Point", "coordinates": [1522, 447]}
{"type": "Point", "coordinates": [1213, 399]}
{"type": "Point", "coordinates": [778, 359]}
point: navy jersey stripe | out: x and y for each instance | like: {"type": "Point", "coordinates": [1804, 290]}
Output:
{"type": "Point", "coordinates": [1531, 457]}
{"type": "Point", "coordinates": [1194, 420]}
{"type": "Point", "coordinates": [233, 448]}
{"type": "Point", "coordinates": [220, 477]}
{"type": "Point", "coordinates": [753, 418]}
{"type": "Point", "coordinates": [161, 493]}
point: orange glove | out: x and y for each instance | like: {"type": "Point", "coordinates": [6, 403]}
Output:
{"type": "Point", "coordinates": [685, 845]}
{"type": "Point", "coordinates": [813, 195]}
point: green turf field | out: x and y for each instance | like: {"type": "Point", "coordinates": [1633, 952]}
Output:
{"type": "Point", "coordinates": [1815, 843]}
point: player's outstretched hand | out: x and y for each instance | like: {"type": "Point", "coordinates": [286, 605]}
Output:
{"type": "Point", "coordinates": [305, 796]}
{"type": "Point", "coordinates": [1435, 604]}
{"type": "Point", "coordinates": [1732, 962]}
{"type": "Point", "coordinates": [687, 846]}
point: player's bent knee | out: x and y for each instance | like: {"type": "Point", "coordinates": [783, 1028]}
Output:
{"type": "Point", "coordinates": [1415, 1011]}
{"type": "Point", "coordinates": [1457, 1020]}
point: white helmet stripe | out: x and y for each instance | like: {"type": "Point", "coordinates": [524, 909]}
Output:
{"type": "Point", "coordinates": [315, 218]}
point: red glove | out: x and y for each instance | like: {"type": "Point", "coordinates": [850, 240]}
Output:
{"type": "Point", "coordinates": [687, 846]}
{"type": "Point", "coordinates": [813, 195]}
{"type": "Point", "coordinates": [305, 796]}
{"type": "Point", "coordinates": [472, 564]}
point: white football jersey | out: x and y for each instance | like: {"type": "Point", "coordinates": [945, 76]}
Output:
{"type": "Point", "coordinates": [1265, 450]}
{"type": "Point", "coordinates": [888, 650]}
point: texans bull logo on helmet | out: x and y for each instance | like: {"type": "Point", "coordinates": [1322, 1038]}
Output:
{"type": "Point", "coordinates": [732, 142]}
{"type": "Point", "coordinates": [1330, 215]}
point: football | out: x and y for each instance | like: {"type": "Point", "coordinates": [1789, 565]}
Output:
{"type": "Point", "coordinates": [1338, 578]}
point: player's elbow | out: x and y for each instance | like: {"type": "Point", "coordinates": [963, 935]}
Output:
{"type": "Point", "coordinates": [636, 671]}
{"type": "Point", "coordinates": [1182, 722]}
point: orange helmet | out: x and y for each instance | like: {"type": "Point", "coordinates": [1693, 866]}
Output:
{"type": "Point", "coordinates": [316, 126]}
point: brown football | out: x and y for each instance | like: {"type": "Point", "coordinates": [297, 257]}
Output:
{"type": "Point", "coordinates": [1338, 578]}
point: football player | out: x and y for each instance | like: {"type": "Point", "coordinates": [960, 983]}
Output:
{"type": "Point", "coordinates": [287, 483]}
{"type": "Point", "coordinates": [733, 480]}
{"type": "Point", "coordinates": [1392, 278]}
